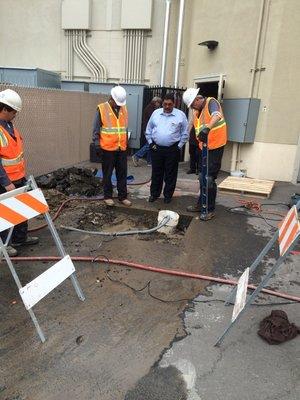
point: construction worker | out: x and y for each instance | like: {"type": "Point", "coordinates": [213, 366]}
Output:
{"type": "Point", "coordinates": [145, 150]}
{"type": "Point", "coordinates": [210, 128]}
{"type": "Point", "coordinates": [12, 165]}
{"type": "Point", "coordinates": [110, 135]}
{"type": "Point", "coordinates": [166, 133]}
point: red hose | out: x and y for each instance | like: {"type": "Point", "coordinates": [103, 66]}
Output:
{"type": "Point", "coordinates": [156, 269]}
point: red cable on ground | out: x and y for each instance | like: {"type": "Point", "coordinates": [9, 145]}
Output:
{"type": "Point", "coordinates": [150, 268]}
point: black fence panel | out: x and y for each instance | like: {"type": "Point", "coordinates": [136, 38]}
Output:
{"type": "Point", "coordinates": [161, 91]}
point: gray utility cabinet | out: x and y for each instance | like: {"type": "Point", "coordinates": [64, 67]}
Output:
{"type": "Point", "coordinates": [76, 86]}
{"type": "Point", "coordinates": [32, 77]}
{"type": "Point", "coordinates": [134, 102]}
{"type": "Point", "coordinates": [241, 117]}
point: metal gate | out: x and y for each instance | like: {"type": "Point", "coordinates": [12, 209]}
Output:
{"type": "Point", "coordinates": [161, 91]}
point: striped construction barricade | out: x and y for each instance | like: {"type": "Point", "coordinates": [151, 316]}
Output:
{"type": "Point", "coordinates": [287, 235]}
{"type": "Point", "coordinates": [20, 205]}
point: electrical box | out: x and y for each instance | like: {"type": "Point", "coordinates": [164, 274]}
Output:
{"type": "Point", "coordinates": [241, 116]}
{"type": "Point", "coordinates": [76, 14]}
{"type": "Point", "coordinates": [136, 14]}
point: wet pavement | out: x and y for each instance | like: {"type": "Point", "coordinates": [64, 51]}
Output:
{"type": "Point", "coordinates": [154, 340]}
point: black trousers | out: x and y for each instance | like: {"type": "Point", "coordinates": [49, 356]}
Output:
{"type": "Point", "coordinates": [194, 152]}
{"type": "Point", "coordinates": [214, 166]}
{"type": "Point", "coordinates": [117, 160]}
{"type": "Point", "coordinates": [164, 169]}
{"type": "Point", "coordinates": [19, 234]}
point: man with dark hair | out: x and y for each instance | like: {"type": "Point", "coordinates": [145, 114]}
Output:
{"type": "Point", "coordinates": [166, 133]}
{"type": "Point", "coordinates": [145, 150]}
{"type": "Point", "coordinates": [12, 164]}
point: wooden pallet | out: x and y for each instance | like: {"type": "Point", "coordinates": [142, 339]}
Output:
{"type": "Point", "coordinates": [246, 186]}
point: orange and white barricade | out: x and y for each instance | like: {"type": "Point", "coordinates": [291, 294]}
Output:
{"type": "Point", "coordinates": [20, 205]}
{"type": "Point", "coordinates": [288, 234]}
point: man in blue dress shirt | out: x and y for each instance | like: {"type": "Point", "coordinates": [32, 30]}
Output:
{"type": "Point", "coordinates": [166, 133]}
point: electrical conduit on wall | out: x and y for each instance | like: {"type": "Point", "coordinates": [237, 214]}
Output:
{"type": "Point", "coordinates": [77, 42]}
{"type": "Point", "coordinates": [134, 55]}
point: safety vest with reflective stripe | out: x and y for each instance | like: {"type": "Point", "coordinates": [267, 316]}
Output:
{"type": "Point", "coordinates": [11, 154]}
{"type": "Point", "coordinates": [113, 132]}
{"type": "Point", "coordinates": [218, 134]}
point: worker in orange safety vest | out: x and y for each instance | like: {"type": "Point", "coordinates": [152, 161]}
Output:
{"type": "Point", "coordinates": [12, 164]}
{"type": "Point", "coordinates": [210, 127]}
{"type": "Point", "coordinates": [110, 135]}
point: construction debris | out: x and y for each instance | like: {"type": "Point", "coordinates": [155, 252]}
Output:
{"type": "Point", "coordinates": [72, 182]}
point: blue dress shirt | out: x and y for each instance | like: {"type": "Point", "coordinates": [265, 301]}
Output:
{"type": "Point", "coordinates": [165, 129]}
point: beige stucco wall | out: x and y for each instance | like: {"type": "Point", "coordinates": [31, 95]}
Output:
{"type": "Point", "coordinates": [277, 85]}
{"type": "Point", "coordinates": [40, 42]}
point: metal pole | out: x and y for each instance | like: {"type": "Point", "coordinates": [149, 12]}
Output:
{"type": "Point", "coordinates": [179, 41]}
{"type": "Point", "coordinates": [258, 289]}
{"type": "Point", "coordinates": [59, 244]}
{"type": "Point", "coordinates": [19, 285]}
{"type": "Point", "coordinates": [165, 43]}
{"type": "Point", "coordinates": [254, 265]}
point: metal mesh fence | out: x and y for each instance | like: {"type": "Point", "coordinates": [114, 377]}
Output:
{"type": "Point", "coordinates": [56, 126]}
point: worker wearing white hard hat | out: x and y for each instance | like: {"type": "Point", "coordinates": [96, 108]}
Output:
{"type": "Point", "coordinates": [210, 128]}
{"type": "Point", "coordinates": [110, 138]}
{"type": "Point", "coordinates": [12, 164]}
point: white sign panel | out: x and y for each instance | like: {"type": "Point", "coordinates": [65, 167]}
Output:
{"type": "Point", "coordinates": [241, 294]}
{"type": "Point", "coordinates": [35, 290]}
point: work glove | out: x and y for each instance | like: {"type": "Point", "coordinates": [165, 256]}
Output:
{"type": "Point", "coordinates": [153, 146]}
{"type": "Point", "coordinates": [203, 135]}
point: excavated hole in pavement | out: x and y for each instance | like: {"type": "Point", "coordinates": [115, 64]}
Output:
{"type": "Point", "coordinates": [96, 216]}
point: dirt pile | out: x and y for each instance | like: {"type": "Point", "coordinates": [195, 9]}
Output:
{"type": "Point", "coordinates": [72, 182]}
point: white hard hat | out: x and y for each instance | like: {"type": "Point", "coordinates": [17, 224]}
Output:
{"type": "Point", "coordinates": [189, 96]}
{"type": "Point", "coordinates": [11, 99]}
{"type": "Point", "coordinates": [118, 93]}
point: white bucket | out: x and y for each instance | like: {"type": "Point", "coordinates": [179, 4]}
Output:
{"type": "Point", "coordinates": [171, 224]}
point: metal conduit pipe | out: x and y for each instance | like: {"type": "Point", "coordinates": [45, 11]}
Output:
{"type": "Point", "coordinates": [68, 74]}
{"type": "Point", "coordinates": [131, 50]}
{"type": "Point", "coordinates": [98, 73]}
{"type": "Point", "coordinates": [179, 42]}
{"type": "Point", "coordinates": [71, 56]}
{"type": "Point", "coordinates": [79, 53]}
{"type": "Point", "coordinates": [141, 51]}
{"type": "Point", "coordinates": [126, 57]}
{"type": "Point", "coordinates": [95, 58]}
{"type": "Point", "coordinates": [165, 43]}
{"type": "Point", "coordinates": [137, 57]}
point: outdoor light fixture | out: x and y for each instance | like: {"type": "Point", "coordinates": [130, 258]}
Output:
{"type": "Point", "coordinates": [211, 44]}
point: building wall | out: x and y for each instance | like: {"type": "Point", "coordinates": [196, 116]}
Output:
{"type": "Point", "coordinates": [40, 42]}
{"type": "Point", "coordinates": [234, 24]}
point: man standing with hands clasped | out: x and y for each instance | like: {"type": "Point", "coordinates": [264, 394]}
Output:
{"type": "Point", "coordinates": [166, 133]}
{"type": "Point", "coordinates": [210, 128]}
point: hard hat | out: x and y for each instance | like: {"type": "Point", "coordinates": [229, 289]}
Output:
{"type": "Point", "coordinates": [11, 99]}
{"type": "Point", "coordinates": [189, 96]}
{"type": "Point", "coordinates": [118, 93]}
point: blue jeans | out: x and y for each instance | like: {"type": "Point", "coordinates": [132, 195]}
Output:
{"type": "Point", "coordinates": [143, 151]}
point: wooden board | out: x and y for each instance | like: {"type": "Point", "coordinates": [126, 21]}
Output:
{"type": "Point", "coordinates": [248, 186]}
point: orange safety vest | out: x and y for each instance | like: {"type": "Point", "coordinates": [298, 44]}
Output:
{"type": "Point", "coordinates": [218, 134]}
{"type": "Point", "coordinates": [11, 154]}
{"type": "Point", "coordinates": [113, 132]}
